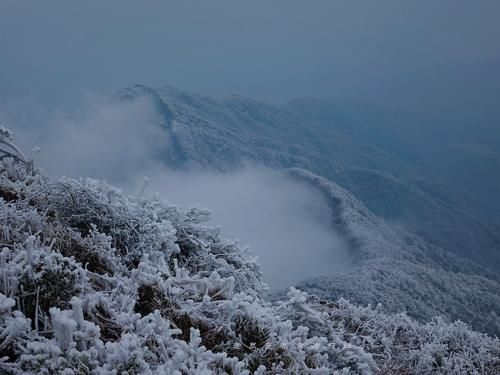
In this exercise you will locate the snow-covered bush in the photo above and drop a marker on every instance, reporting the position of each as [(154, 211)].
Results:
[(400, 345), (93, 281)]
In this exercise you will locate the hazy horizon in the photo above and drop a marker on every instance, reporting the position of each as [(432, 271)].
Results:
[(55, 51)]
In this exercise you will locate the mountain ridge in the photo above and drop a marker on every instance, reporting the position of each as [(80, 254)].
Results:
[(438, 246), (209, 133)]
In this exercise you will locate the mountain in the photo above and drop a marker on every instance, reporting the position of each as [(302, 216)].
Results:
[(452, 133), (400, 270), (94, 281), (223, 133), (419, 248)]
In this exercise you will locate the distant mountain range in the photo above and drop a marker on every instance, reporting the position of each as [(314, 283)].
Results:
[(458, 144), (416, 246)]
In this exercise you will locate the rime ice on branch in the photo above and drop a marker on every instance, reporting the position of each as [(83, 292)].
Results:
[(97, 282)]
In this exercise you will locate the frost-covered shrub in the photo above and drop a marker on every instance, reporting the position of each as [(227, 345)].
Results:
[(401, 345), (93, 281)]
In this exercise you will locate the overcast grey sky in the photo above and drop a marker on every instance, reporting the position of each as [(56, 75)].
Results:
[(270, 50)]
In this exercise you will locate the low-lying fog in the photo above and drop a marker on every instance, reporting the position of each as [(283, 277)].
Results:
[(285, 223)]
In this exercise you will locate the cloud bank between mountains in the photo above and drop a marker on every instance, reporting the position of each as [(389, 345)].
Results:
[(285, 223)]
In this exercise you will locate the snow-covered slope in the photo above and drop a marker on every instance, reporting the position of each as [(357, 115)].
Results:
[(400, 270), (222, 133), (415, 248), (93, 281)]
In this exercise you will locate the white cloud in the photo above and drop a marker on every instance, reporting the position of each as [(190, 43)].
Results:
[(285, 223), (111, 141)]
